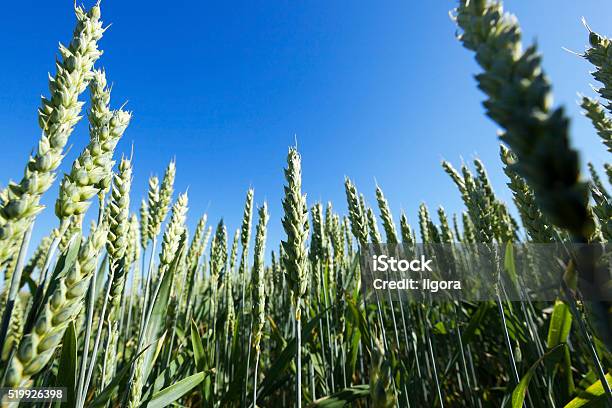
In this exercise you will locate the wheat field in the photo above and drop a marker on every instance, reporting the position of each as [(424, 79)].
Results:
[(133, 309)]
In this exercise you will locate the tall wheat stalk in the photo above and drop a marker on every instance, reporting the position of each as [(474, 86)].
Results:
[(295, 223)]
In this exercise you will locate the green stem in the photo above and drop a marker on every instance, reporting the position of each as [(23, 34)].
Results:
[(298, 357), (94, 353)]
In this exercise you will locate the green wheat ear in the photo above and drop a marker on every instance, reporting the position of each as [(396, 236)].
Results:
[(173, 233), (386, 216), (62, 306), (337, 241), (533, 220), (294, 259), (373, 227), (356, 215), (118, 212), (160, 198), (195, 249), (165, 194), (599, 53), (218, 253), (144, 224), (257, 281), (117, 217), (233, 257), (446, 233), (91, 172), (603, 204), (600, 120), (406, 230), (519, 100), (245, 229), (132, 253), (57, 117), (295, 223), (424, 222), (317, 241)]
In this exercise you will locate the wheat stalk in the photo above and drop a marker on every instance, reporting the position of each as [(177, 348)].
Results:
[(62, 306), (258, 290), (295, 224)]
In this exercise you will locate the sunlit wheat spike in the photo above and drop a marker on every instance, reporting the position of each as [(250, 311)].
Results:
[(407, 234), (258, 290), (233, 257), (501, 221), (483, 182), (228, 289), (57, 117), (295, 223), (144, 224), (532, 218), (159, 203), (424, 221), (118, 212), (317, 240), (479, 206), (599, 118), (257, 280), (329, 219), (375, 236), (446, 233), (245, 238), (133, 246), (173, 233), (356, 215), (117, 218), (469, 235), (152, 200), (537, 134), (218, 253), (91, 172), (456, 177), (195, 249), (386, 216), (61, 307), (599, 53), (245, 230), (337, 240)]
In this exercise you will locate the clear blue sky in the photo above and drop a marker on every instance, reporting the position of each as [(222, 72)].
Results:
[(373, 90)]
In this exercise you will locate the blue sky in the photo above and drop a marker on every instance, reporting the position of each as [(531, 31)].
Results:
[(378, 91)]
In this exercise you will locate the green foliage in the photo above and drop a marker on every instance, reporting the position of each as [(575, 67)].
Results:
[(203, 328)]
